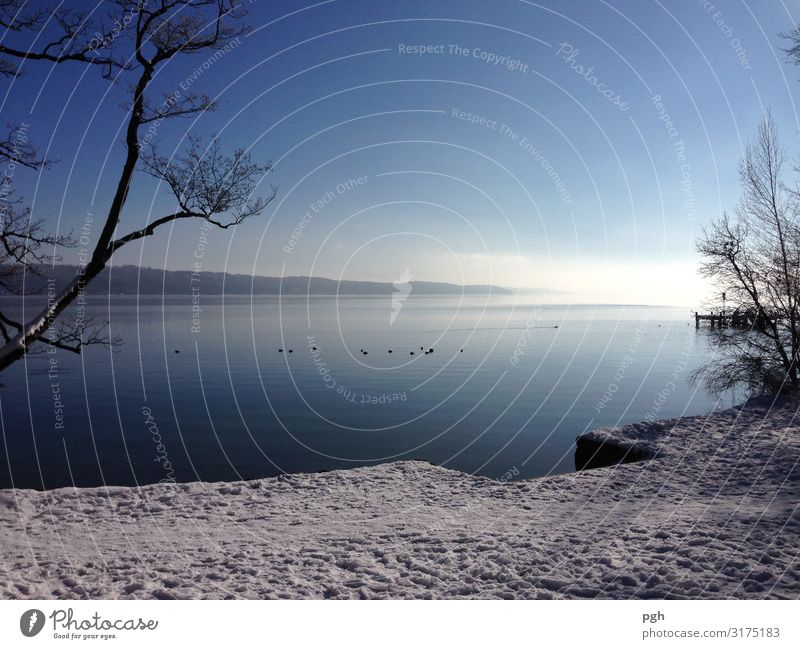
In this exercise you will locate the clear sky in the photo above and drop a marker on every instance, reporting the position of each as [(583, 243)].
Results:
[(523, 144)]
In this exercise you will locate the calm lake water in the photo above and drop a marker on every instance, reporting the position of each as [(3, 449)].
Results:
[(229, 406)]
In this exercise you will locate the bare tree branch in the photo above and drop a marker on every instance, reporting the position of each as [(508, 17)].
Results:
[(66, 35), (16, 149), (183, 106), (69, 336), (206, 183), (24, 246)]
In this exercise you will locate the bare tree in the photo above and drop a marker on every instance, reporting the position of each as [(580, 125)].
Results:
[(205, 183), (753, 259), (71, 35)]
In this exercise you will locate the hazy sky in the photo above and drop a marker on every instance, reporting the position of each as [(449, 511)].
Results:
[(523, 144)]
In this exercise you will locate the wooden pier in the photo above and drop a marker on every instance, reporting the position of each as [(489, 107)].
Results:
[(744, 319)]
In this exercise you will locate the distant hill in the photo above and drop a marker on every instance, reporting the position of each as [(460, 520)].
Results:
[(132, 280)]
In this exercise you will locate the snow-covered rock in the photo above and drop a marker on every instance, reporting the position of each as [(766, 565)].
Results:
[(608, 446)]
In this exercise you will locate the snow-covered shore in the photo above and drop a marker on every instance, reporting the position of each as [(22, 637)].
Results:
[(715, 514)]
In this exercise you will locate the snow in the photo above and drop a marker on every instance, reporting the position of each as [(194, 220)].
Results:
[(713, 515)]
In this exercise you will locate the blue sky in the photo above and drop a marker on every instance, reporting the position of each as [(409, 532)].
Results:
[(570, 181)]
